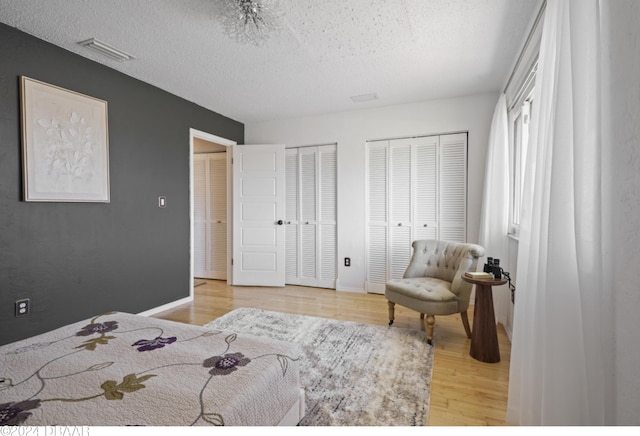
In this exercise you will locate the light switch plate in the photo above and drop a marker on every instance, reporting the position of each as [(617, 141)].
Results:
[(162, 201)]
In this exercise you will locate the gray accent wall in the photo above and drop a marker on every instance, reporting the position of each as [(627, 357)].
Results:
[(77, 260)]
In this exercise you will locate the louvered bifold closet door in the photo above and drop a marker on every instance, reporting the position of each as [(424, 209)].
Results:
[(417, 189), (199, 215), (217, 252), (377, 215), (426, 188), (327, 200), (401, 206), (308, 222), (210, 215), (311, 216), (453, 187), (292, 274)]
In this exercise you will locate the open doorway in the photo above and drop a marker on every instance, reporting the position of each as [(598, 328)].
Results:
[(210, 207)]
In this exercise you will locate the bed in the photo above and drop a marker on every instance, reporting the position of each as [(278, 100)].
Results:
[(119, 369)]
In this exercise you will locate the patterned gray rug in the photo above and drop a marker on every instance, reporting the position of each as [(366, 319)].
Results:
[(353, 374)]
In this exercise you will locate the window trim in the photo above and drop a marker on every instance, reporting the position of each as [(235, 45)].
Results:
[(519, 116)]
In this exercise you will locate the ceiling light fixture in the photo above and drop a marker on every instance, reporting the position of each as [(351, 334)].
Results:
[(106, 50), (249, 21)]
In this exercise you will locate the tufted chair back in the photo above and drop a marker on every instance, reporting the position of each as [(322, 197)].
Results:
[(445, 261)]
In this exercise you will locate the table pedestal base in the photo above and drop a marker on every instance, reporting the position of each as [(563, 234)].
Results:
[(484, 337)]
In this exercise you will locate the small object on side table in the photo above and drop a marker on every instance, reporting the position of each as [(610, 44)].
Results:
[(484, 336)]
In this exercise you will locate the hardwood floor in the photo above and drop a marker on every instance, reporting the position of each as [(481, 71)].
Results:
[(464, 391)]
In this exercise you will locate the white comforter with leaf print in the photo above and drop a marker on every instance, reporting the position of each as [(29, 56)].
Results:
[(121, 369)]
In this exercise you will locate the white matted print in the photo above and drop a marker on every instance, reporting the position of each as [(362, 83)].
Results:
[(65, 147)]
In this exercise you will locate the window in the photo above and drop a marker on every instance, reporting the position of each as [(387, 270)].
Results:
[(520, 121)]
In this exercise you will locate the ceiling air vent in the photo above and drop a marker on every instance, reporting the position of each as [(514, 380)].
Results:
[(364, 97), (106, 50)]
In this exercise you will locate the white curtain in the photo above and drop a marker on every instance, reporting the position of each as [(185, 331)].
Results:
[(494, 220), (559, 360)]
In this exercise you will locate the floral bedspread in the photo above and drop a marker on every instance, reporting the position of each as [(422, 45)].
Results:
[(122, 369)]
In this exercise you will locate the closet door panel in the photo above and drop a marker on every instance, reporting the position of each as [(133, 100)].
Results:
[(200, 216), (327, 201), (416, 189), (377, 212), (328, 261), (292, 271), (377, 181), (453, 187), (426, 188), (377, 259), (400, 183), (217, 174), (308, 255), (210, 215), (401, 239), (308, 187), (311, 216)]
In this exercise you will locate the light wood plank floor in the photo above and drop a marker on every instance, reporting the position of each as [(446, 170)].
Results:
[(464, 391)]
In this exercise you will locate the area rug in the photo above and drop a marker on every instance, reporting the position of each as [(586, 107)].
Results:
[(352, 373)]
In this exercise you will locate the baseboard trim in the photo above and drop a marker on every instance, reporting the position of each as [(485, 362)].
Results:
[(167, 306), (341, 288)]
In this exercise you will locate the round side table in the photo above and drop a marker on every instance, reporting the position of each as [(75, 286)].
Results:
[(484, 336)]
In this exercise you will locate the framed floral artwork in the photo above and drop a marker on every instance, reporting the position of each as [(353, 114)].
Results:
[(65, 146)]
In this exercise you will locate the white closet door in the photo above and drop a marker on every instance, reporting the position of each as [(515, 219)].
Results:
[(308, 221), (210, 220), (401, 178), (377, 212), (417, 189), (311, 216), (292, 274), (426, 188), (217, 262), (453, 187), (327, 200), (200, 215)]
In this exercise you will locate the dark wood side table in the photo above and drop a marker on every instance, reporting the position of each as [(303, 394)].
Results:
[(484, 336)]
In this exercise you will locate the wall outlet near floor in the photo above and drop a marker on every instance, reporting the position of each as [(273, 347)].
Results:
[(23, 307), (347, 261)]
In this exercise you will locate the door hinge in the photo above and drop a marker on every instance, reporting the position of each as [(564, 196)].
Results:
[(231, 262)]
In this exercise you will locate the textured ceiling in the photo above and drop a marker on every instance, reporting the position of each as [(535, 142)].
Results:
[(325, 52)]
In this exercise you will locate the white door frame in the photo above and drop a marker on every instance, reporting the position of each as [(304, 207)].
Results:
[(193, 134)]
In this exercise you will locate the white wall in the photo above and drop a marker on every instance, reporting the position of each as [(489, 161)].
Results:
[(350, 130), (621, 115)]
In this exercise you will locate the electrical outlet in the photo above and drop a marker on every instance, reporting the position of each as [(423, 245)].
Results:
[(22, 307), (347, 261)]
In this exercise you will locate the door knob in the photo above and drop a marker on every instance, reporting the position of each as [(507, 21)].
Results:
[(280, 222)]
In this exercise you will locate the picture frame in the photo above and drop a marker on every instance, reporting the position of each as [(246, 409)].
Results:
[(65, 145)]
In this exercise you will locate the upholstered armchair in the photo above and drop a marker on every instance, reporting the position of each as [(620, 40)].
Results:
[(432, 283)]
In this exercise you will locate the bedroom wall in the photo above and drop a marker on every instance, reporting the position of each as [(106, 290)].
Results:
[(350, 130), (621, 115), (75, 260)]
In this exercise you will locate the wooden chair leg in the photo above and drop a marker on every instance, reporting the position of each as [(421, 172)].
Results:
[(431, 320), (465, 323), (422, 325), (392, 307)]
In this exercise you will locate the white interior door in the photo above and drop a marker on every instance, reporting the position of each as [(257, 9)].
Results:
[(259, 214)]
